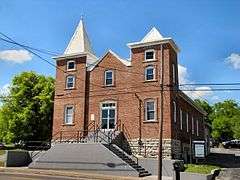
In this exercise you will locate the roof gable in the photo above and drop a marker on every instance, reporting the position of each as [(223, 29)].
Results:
[(123, 61)]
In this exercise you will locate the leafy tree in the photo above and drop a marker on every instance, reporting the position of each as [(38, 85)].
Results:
[(26, 114), (226, 120), (206, 107)]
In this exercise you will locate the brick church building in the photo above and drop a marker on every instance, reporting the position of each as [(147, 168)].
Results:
[(112, 91)]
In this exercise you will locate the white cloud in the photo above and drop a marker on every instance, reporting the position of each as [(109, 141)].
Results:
[(199, 92), (4, 90), (16, 56), (234, 60), (183, 74)]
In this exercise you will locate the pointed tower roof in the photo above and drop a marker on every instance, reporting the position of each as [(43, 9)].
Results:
[(153, 37), (79, 42)]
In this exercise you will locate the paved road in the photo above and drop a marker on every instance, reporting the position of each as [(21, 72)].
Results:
[(5, 176), (229, 174), (228, 159)]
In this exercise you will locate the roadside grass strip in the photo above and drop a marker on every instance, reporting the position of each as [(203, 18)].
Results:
[(200, 168)]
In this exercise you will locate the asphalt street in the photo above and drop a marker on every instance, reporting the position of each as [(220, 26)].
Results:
[(6, 176)]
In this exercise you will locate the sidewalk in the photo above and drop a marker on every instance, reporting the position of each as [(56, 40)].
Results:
[(72, 174)]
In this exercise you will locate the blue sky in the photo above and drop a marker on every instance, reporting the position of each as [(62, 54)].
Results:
[(207, 33)]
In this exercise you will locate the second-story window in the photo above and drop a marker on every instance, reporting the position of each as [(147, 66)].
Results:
[(109, 78), (149, 73), (192, 125), (70, 82), (173, 74), (181, 119), (174, 111), (197, 128), (150, 110), (71, 65), (149, 55)]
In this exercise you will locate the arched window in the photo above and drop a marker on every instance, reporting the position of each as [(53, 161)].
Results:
[(173, 74), (108, 115), (71, 65), (174, 111), (149, 73), (70, 82)]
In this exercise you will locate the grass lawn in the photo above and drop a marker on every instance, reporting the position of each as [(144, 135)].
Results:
[(2, 152), (200, 168)]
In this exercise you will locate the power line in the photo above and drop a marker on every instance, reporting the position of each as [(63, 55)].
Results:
[(32, 48), (210, 84), (11, 41), (40, 57)]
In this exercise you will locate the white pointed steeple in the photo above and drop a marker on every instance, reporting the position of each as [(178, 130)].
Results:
[(153, 35), (79, 42)]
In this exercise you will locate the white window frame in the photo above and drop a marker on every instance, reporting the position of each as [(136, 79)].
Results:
[(65, 114), (113, 107), (68, 82), (68, 65), (173, 74), (145, 55), (192, 125), (187, 122), (197, 128), (145, 108), (174, 111), (105, 77), (181, 120), (150, 67)]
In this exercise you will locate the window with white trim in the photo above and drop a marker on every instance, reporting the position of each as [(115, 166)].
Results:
[(173, 73), (149, 55), (70, 82), (181, 120), (150, 110), (174, 111), (197, 128), (68, 119), (149, 73), (71, 65), (109, 78), (187, 121), (192, 125)]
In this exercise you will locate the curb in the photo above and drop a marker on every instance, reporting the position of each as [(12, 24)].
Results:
[(65, 173)]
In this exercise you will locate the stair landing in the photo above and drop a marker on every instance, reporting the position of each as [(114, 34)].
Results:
[(93, 157)]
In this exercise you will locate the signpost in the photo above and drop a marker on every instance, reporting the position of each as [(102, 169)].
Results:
[(199, 150)]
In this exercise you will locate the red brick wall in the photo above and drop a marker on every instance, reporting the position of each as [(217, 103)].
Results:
[(65, 97), (128, 82)]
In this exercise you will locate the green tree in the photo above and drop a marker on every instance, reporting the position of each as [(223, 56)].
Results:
[(26, 114), (206, 107), (226, 120)]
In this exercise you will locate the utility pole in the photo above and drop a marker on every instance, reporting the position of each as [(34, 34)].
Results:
[(161, 119), (139, 121)]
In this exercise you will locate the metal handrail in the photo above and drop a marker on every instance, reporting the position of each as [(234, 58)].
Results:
[(128, 137)]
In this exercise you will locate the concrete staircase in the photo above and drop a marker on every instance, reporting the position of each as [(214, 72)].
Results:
[(99, 151), (128, 159)]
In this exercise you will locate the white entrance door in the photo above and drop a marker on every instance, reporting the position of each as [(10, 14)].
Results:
[(108, 117)]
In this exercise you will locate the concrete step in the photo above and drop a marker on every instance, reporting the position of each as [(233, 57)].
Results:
[(93, 157)]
